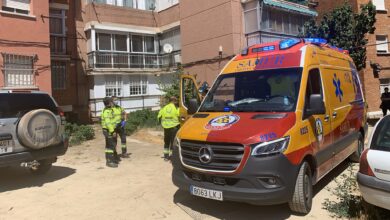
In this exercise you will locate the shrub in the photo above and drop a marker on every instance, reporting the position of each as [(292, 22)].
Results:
[(141, 119), (78, 133)]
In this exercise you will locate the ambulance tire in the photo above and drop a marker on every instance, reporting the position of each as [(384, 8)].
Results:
[(355, 157), (302, 199)]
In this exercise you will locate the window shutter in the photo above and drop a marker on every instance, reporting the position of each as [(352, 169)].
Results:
[(380, 4), (18, 4)]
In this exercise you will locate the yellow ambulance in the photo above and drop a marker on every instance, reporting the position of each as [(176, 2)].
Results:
[(278, 118)]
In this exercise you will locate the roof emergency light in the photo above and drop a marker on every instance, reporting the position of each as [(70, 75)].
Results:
[(285, 44), (315, 40)]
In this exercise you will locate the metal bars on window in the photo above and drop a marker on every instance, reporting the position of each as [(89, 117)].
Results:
[(138, 85), (58, 75), (18, 70)]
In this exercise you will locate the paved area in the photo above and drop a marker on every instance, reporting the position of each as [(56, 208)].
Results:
[(80, 187)]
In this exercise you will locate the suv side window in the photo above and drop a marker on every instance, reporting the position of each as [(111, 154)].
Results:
[(14, 104), (314, 86)]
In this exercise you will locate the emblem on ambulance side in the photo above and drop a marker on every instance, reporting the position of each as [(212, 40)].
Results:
[(222, 122), (319, 130)]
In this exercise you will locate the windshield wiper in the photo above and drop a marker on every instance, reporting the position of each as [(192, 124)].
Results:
[(245, 101)]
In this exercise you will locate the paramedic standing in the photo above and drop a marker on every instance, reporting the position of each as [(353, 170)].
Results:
[(120, 119), (385, 105), (108, 126), (168, 116)]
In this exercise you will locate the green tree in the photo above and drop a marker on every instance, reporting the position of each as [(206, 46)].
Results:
[(345, 29), (172, 88)]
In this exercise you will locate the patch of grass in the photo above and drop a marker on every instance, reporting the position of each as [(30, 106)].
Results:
[(350, 203)]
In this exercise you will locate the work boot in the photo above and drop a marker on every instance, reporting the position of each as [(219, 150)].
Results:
[(111, 164), (166, 157), (117, 159)]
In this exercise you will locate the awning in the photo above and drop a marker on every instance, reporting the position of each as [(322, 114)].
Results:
[(291, 6)]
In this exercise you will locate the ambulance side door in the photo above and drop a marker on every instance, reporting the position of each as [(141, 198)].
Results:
[(341, 93), (188, 90), (320, 125)]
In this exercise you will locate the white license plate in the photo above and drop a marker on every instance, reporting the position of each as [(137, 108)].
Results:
[(6, 146), (206, 193)]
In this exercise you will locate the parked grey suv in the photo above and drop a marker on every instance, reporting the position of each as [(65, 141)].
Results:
[(31, 130)]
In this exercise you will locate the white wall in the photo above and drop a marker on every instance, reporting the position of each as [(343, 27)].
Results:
[(130, 103), (164, 4)]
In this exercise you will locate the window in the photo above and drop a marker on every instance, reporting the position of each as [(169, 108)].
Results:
[(120, 42), (57, 31), (171, 37), (138, 85), (382, 44), (314, 86), (251, 11), (150, 4), (149, 44), (18, 70), (114, 86), (14, 103), (58, 75), (379, 4), (104, 42), (16, 6), (189, 91), (137, 43)]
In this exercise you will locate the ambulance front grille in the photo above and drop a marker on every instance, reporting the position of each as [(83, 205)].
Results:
[(224, 157)]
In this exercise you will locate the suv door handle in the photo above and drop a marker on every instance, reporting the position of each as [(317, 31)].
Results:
[(334, 115)]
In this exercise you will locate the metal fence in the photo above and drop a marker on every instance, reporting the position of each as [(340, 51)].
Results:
[(18, 70), (98, 59), (130, 103)]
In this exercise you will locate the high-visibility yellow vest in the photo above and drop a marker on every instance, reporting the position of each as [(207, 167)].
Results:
[(118, 113), (169, 115), (108, 120)]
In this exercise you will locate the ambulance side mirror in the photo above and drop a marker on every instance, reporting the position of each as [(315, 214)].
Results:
[(317, 105), (192, 106)]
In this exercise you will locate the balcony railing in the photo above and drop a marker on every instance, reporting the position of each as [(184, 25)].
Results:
[(57, 45), (113, 60)]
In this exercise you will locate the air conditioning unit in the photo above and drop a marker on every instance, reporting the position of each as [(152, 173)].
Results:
[(177, 58)]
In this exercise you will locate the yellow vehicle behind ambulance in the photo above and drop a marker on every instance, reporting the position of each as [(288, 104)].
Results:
[(278, 118)]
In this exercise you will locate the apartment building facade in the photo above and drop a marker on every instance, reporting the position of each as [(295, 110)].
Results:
[(378, 52), (129, 50), (214, 31), (25, 45)]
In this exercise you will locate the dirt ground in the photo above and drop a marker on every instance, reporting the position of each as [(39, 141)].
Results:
[(79, 186)]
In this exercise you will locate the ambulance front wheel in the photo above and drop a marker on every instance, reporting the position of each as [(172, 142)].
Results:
[(301, 201)]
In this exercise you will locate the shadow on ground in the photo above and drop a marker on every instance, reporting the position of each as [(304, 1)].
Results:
[(199, 208), (14, 178)]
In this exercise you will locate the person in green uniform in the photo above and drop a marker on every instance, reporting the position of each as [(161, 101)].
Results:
[(168, 116), (120, 118), (108, 125)]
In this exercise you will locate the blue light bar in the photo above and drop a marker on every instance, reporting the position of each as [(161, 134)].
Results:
[(285, 44), (263, 49), (315, 40)]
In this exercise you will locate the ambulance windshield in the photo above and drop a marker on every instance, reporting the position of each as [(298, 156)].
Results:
[(256, 91)]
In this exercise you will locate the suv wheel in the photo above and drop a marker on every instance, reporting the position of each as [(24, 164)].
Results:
[(43, 167), (303, 194)]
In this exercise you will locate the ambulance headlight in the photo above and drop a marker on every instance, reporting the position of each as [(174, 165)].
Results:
[(271, 147)]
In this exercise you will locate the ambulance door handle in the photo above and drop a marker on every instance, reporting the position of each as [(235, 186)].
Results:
[(326, 118), (334, 115)]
